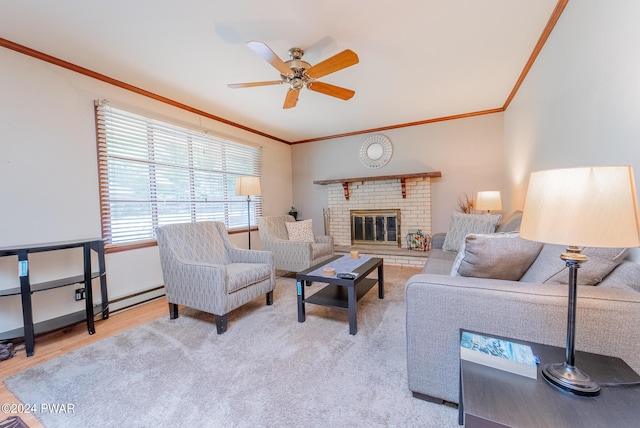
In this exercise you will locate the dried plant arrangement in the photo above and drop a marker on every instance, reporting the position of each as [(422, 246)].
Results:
[(465, 205)]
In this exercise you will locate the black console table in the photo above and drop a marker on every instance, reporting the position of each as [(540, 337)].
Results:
[(26, 289), (493, 398)]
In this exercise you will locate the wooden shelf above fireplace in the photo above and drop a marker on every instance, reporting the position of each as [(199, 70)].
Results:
[(402, 177)]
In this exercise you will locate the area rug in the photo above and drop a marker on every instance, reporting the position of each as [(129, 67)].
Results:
[(267, 370)]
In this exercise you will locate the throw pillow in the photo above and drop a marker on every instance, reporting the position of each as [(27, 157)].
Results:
[(496, 256), (626, 275), (549, 268), (300, 230), (464, 224)]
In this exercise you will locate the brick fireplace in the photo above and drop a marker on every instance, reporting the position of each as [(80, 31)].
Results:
[(409, 196)]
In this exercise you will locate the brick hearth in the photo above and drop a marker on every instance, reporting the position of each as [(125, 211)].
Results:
[(391, 256)]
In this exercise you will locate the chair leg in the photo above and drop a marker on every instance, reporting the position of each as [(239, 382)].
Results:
[(221, 322), (173, 311), (270, 298), (308, 283)]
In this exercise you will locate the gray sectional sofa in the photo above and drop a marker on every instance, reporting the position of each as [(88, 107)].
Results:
[(533, 308)]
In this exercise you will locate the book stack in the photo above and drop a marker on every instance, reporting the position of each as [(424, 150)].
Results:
[(498, 353)]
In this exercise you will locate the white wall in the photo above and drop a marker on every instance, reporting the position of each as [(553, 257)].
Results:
[(49, 178), (580, 104), (469, 152)]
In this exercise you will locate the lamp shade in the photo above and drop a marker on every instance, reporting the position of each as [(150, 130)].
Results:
[(583, 207), (248, 185), (489, 200)]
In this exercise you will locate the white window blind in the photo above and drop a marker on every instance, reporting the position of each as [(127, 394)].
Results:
[(154, 173)]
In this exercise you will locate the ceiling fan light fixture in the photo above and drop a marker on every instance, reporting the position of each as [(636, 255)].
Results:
[(297, 83)]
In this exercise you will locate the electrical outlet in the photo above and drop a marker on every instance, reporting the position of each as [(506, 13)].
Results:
[(80, 294)]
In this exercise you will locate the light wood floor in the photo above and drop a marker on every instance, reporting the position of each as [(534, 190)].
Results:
[(54, 344), (60, 342)]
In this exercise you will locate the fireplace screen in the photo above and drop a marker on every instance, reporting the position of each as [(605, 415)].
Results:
[(376, 227)]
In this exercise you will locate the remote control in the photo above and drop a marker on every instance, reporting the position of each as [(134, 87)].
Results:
[(347, 275)]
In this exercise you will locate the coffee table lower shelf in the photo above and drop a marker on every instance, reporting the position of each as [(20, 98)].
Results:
[(336, 296)]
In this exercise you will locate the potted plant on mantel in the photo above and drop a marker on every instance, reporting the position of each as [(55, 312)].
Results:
[(293, 212)]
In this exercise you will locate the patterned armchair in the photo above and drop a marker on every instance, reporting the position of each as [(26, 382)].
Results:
[(293, 256), (202, 269)]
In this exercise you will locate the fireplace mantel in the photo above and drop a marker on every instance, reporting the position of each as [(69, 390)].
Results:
[(402, 177)]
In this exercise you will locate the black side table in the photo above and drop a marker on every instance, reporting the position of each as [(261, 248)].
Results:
[(495, 398)]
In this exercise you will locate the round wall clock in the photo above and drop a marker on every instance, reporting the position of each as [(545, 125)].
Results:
[(376, 151)]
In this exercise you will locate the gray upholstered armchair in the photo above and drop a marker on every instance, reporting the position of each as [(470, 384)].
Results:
[(202, 269), (293, 256)]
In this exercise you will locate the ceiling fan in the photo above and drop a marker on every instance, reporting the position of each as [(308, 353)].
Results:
[(298, 73)]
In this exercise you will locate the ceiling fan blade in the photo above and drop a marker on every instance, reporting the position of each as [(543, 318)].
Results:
[(268, 55), (292, 98), (332, 90), (337, 62), (252, 84)]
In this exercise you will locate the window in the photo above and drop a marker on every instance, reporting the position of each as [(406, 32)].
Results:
[(154, 173)]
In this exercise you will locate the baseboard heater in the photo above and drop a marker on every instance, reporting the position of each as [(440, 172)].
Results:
[(135, 299), (115, 305)]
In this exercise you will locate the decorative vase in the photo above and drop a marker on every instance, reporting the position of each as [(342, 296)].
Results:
[(416, 240)]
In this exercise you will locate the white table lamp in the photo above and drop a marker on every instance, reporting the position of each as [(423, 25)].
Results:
[(488, 201)]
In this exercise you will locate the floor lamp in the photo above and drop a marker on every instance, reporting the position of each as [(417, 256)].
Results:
[(580, 207), (247, 186)]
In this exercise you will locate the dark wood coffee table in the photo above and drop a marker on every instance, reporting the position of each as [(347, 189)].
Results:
[(340, 293), (493, 398)]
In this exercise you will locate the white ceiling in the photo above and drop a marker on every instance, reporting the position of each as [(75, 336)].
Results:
[(419, 59)]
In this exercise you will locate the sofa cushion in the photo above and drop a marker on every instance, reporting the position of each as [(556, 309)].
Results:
[(626, 275), (300, 230), (549, 268), (464, 224), (242, 275), (511, 223), (439, 262), (496, 255)]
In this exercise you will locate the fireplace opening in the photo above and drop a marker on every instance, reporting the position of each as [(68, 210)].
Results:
[(376, 227)]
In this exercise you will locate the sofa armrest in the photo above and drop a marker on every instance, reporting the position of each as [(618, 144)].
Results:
[(438, 306), (238, 255), (437, 240), (324, 239)]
